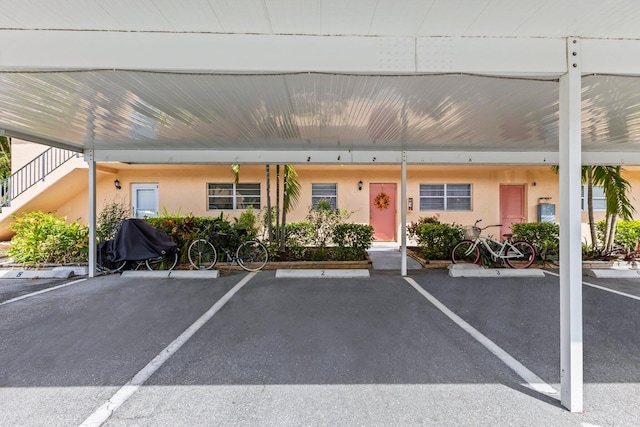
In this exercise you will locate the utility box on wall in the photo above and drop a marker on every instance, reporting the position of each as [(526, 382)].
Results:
[(546, 212)]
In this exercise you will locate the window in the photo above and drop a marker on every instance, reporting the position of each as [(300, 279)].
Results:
[(445, 197), (599, 200), (327, 192), (233, 196)]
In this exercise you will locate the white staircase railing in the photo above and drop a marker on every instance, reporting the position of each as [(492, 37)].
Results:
[(33, 172)]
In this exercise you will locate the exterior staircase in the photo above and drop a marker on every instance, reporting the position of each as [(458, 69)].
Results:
[(32, 173), (45, 183)]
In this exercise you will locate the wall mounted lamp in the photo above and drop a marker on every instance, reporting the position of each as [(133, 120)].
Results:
[(360, 185), (116, 183)]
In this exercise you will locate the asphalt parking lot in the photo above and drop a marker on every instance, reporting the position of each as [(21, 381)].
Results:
[(247, 349)]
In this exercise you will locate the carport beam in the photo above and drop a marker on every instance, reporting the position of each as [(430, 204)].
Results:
[(571, 340)]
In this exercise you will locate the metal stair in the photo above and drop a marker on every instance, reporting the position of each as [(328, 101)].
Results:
[(33, 172)]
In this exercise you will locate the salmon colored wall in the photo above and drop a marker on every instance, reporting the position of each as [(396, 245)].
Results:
[(183, 188), (22, 152)]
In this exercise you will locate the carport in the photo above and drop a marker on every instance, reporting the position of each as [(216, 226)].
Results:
[(344, 82)]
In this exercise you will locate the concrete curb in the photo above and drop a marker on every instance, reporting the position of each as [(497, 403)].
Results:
[(196, 274), (77, 271), (610, 273), (174, 274), (473, 270), (155, 274), (329, 274), (36, 274)]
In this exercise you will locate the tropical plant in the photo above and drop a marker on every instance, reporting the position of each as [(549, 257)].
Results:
[(247, 221), (324, 220), (618, 204), (352, 241), (110, 217), (544, 236), (434, 238), (45, 238), (276, 221), (5, 157)]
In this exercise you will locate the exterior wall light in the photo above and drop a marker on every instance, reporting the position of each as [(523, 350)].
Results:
[(360, 185), (116, 183)]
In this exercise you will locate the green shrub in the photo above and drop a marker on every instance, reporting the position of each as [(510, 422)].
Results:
[(435, 238), (627, 234), (414, 225), (45, 238), (324, 221), (352, 241), (185, 229), (299, 237), (544, 236), (109, 219), (247, 221)]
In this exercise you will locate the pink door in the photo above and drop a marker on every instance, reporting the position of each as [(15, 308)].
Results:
[(511, 206), (382, 211)]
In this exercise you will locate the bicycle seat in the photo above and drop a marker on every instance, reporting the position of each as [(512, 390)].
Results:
[(507, 235)]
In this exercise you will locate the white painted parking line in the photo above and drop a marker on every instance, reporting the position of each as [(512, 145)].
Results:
[(103, 413), (64, 285), (603, 288), (532, 379)]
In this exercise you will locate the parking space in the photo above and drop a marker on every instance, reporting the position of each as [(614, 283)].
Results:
[(268, 351), (11, 289)]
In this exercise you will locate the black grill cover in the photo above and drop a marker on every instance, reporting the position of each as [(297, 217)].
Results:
[(138, 240)]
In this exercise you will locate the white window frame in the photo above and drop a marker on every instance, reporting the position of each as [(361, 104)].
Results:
[(332, 198), (148, 186), (234, 196), (446, 197), (596, 198)]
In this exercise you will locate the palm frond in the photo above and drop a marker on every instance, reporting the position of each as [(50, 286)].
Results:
[(293, 189), (616, 190), (236, 173)]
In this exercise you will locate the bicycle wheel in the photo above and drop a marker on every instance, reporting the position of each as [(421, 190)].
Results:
[(252, 255), (106, 266), (165, 262), (202, 255), (520, 255), (465, 252)]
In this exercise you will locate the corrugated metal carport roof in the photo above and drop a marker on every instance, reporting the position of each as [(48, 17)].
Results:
[(325, 76)]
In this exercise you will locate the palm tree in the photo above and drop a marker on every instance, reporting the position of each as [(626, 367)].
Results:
[(5, 157), (290, 197), (618, 204), (616, 190)]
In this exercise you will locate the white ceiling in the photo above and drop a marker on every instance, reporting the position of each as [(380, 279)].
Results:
[(411, 18), (313, 76)]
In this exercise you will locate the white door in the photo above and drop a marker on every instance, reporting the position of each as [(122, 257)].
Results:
[(144, 200)]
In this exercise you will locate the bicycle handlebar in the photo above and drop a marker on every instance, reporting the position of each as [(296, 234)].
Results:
[(482, 228)]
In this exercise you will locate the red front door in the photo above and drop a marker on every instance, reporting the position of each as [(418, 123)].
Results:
[(382, 211), (511, 206)]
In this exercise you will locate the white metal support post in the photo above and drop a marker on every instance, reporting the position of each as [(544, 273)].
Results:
[(403, 215), (92, 212), (571, 347)]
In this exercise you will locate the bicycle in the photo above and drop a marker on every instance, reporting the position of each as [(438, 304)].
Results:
[(163, 262), (136, 243), (251, 255), (519, 254)]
